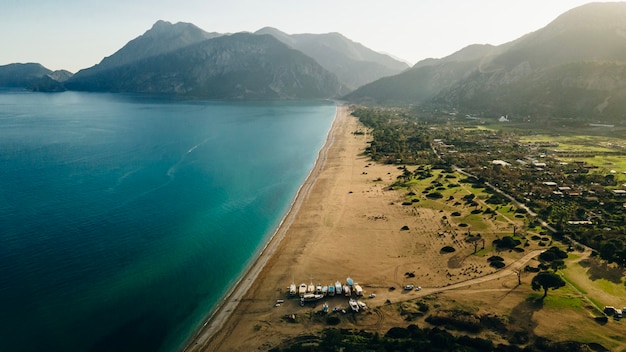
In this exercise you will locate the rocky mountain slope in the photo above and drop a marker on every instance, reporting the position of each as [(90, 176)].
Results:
[(572, 68), (25, 75), (353, 63), (238, 66)]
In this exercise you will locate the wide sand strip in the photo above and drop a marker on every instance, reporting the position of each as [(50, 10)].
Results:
[(225, 317)]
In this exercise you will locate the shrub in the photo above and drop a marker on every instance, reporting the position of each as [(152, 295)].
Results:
[(507, 242), (497, 265), (397, 333), (435, 195), (447, 249), (333, 320)]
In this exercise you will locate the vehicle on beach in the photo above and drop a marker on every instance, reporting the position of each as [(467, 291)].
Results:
[(409, 287), (372, 295)]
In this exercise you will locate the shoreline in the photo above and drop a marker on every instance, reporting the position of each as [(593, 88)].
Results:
[(224, 310)]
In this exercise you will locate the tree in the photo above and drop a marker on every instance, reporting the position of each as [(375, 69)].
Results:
[(547, 280)]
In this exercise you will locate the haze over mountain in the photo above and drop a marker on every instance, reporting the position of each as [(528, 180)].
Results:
[(32, 76), (181, 59), (162, 38), (353, 63), (573, 67)]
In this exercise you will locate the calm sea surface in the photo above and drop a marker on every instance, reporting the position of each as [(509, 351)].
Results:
[(124, 219)]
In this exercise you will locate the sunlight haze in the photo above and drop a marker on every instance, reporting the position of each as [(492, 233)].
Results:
[(73, 34)]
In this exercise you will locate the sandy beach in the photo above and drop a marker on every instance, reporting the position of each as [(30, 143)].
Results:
[(345, 222)]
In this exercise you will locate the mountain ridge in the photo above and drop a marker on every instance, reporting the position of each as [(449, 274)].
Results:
[(353, 63), (531, 70), (237, 66)]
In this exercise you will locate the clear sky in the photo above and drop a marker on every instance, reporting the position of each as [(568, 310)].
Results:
[(76, 34)]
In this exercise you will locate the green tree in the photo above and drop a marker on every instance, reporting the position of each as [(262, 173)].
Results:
[(546, 280)]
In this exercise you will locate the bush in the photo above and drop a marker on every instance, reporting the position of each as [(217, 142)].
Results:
[(434, 195), (497, 265), (447, 249), (495, 258), (456, 213), (507, 242), (333, 320), (397, 333)]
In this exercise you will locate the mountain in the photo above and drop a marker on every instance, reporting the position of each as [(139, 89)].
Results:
[(164, 37), (573, 67), (238, 66), (353, 63), (31, 75), (424, 80)]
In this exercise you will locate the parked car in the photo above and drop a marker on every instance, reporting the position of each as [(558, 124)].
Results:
[(409, 287)]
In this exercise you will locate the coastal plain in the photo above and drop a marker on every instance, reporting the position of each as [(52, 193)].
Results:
[(348, 221), (345, 222)]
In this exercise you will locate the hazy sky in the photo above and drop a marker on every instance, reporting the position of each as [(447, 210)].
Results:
[(76, 34)]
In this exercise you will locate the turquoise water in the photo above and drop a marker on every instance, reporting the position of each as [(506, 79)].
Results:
[(124, 219)]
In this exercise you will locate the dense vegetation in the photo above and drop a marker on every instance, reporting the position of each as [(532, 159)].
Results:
[(576, 198), (413, 338)]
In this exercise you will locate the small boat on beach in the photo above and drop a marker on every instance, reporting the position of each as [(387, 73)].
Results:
[(331, 290), (324, 290), (310, 297), (349, 281), (338, 287), (292, 289), (358, 290), (311, 288), (346, 291), (354, 305), (302, 289), (318, 289)]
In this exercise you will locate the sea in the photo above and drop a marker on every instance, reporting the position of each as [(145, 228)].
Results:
[(125, 219)]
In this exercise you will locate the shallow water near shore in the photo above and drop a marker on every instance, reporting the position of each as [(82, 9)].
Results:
[(124, 219)]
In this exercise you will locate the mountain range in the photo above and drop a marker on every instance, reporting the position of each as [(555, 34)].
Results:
[(182, 59), (575, 67)]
